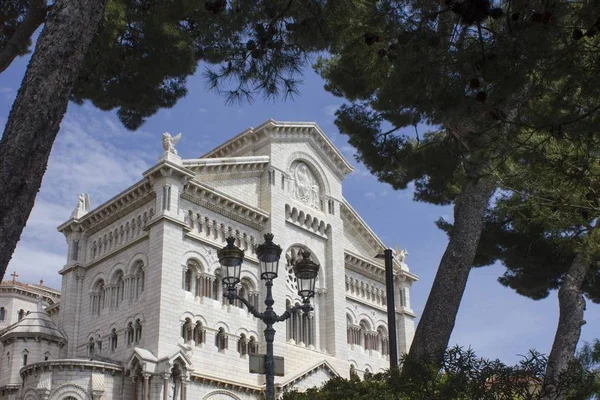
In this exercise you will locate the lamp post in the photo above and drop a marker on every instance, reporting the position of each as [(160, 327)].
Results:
[(268, 253), (388, 255)]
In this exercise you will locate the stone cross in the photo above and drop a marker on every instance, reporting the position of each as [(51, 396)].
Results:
[(14, 275)]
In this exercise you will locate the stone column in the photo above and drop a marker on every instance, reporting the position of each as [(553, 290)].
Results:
[(184, 384), (166, 376), (146, 376), (134, 380)]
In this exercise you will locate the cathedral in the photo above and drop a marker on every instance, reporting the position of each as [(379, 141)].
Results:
[(141, 313)]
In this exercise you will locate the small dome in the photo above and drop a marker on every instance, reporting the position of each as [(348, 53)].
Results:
[(34, 324)]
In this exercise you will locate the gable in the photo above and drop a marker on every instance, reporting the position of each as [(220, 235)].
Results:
[(276, 130)]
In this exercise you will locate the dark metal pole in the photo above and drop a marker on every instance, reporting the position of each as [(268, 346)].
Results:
[(269, 317), (391, 307)]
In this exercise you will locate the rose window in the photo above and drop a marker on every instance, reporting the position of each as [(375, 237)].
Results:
[(291, 256)]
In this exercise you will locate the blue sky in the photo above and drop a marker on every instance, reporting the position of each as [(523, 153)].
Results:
[(95, 154)]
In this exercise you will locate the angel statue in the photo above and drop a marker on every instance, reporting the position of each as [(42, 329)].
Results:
[(169, 142), (83, 206), (401, 254)]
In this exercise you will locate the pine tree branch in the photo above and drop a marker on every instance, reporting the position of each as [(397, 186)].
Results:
[(20, 39)]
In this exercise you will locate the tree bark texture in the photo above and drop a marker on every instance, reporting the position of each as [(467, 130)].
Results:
[(19, 40), (439, 316), (572, 307), (38, 110)]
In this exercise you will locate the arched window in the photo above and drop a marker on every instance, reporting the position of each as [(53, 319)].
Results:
[(138, 280), (252, 346), (383, 341), (8, 359), (187, 330), (221, 340), (118, 293), (113, 339), (246, 290), (364, 338), (288, 323), (97, 297), (47, 356), (25, 353), (138, 330), (129, 333), (21, 314), (187, 280), (199, 333), (301, 327), (91, 347), (353, 332), (215, 288), (2, 313), (353, 374), (243, 345)]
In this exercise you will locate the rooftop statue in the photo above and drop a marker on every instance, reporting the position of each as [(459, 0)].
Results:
[(83, 206), (169, 142)]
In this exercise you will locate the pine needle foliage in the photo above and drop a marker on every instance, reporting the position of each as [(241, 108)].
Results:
[(464, 376), (145, 50)]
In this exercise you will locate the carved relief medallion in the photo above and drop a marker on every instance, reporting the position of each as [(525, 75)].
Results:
[(306, 189)]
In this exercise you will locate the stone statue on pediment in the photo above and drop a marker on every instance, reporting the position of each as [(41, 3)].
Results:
[(83, 206), (169, 142), (401, 255)]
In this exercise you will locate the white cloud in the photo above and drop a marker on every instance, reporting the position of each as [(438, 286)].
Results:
[(93, 153), (370, 195), (33, 264), (330, 110), (8, 93)]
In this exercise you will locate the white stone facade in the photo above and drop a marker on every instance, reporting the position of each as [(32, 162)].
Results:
[(142, 306)]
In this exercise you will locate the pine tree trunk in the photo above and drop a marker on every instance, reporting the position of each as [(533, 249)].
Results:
[(572, 307), (437, 322), (37, 112)]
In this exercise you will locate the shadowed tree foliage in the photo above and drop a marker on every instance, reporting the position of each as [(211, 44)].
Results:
[(543, 228), (143, 51), (480, 73), (136, 58), (464, 376)]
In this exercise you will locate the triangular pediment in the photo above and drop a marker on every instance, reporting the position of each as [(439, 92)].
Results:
[(243, 143), (299, 379)]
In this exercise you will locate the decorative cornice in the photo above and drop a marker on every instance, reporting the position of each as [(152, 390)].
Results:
[(209, 198), (212, 169), (121, 213), (365, 303), (26, 290), (166, 167), (291, 131), (371, 269), (70, 364), (351, 216), (119, 205), (226, 383), (374, 269)]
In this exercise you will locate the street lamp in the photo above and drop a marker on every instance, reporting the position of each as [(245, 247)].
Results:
[(388, 255), (268, 253)]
